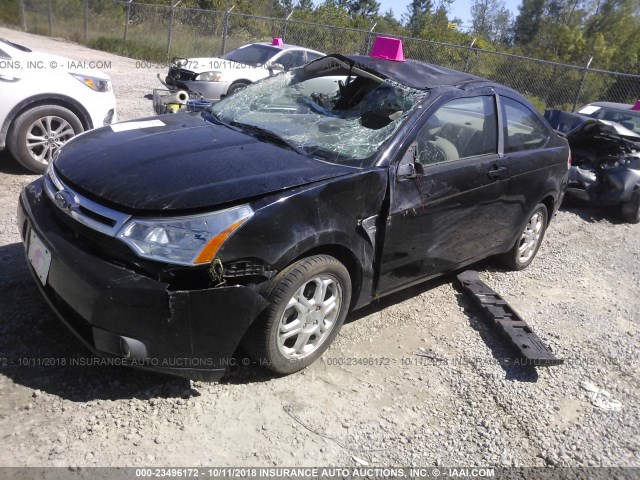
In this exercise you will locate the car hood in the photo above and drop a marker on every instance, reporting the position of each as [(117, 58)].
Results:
[(182, 162)]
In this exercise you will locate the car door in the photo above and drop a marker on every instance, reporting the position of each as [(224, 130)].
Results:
[(449, 212)]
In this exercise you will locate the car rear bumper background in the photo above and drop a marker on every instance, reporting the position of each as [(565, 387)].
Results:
[(184, 332)]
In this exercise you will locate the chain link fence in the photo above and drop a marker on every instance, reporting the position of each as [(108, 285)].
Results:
[(160, 32)]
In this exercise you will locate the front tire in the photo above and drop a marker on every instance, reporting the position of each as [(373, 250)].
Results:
[(631, 210), (309, 301), (526, 248), (38, 133), (235, 87)]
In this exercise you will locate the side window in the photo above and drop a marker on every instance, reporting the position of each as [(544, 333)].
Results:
[(523, 130), (311, 56), (462, 128), (3, 55), (291, 59)]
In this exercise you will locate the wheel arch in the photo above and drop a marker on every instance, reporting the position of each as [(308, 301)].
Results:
[(243, 81), (549, 202), (345, 256), (45, 99)]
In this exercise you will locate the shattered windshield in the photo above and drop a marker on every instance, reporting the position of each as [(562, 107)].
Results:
[(334, 113), (255, 54)]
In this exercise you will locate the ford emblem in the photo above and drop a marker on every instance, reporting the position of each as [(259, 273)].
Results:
[(64, 200)]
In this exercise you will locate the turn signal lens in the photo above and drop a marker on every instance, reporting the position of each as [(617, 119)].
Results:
[(209, 251)]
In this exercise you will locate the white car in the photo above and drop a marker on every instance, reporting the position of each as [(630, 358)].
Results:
[(45, 100), (214, 78)]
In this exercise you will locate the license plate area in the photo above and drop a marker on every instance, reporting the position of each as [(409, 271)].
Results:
[(39, 257)]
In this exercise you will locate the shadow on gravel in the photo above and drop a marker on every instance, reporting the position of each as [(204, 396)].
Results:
[(399, 297), (592, 213), (10, 166), (36, 349), (240, 374)]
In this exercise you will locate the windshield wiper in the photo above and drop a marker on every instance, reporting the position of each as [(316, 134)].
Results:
[(215, 116), (268, 134)]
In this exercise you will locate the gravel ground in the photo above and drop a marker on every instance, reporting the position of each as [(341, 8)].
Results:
[(456, 405)]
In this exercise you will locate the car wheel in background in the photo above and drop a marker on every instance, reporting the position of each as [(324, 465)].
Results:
[(235, 87), (525, 249), (631, 210), (38, 133), (309, 301)]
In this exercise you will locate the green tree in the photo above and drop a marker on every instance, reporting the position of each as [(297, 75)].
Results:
[(491, 19), (528, 21), (417, 16), (305, 5), (364, 8)]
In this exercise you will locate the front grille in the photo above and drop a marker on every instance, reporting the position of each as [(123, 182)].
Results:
[(81, 209), (181, 74), (93, 228)]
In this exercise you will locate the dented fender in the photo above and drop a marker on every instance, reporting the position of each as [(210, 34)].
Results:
[(325, 217)]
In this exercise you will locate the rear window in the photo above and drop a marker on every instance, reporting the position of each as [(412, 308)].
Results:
[(630, 119), (311, 56), (254, 54)]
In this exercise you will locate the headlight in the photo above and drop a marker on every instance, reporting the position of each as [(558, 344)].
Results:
[(94, 83), (192, 240), (209, 77)]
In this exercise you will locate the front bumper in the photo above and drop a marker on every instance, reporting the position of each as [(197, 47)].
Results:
[(131, 317), (102, 109)]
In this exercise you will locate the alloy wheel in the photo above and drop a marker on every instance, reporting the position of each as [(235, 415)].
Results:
[(46, 135), (531, 237), (309, 317)]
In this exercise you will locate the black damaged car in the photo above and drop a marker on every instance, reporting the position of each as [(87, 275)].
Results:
[(169, 242)]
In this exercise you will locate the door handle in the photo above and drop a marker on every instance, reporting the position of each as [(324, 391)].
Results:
[(497, 172)]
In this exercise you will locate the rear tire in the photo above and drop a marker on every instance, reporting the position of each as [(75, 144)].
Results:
[(309, 301), (38, 133), (630, 210), (526, 248)]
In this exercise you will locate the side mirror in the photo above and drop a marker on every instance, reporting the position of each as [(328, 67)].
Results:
[(275, 68), (408, 167), (406, 171)]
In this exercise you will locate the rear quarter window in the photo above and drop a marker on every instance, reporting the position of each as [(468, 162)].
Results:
[(522, 128)]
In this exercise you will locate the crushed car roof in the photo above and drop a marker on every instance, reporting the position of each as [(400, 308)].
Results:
[(414, 73)]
